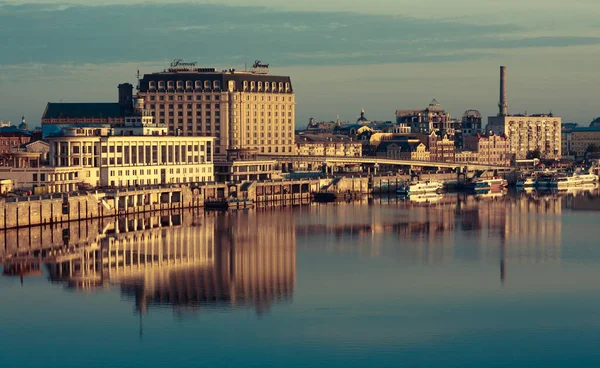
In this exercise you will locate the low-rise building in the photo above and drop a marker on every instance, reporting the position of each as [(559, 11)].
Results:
[(432, 118), (490, 149), (441, 148), (134, 152), (403, 150), (243, 165), (327, 145), (11, 138), (581, 138)]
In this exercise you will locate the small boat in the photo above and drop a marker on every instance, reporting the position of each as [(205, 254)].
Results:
[(420, 187), (482, 185)]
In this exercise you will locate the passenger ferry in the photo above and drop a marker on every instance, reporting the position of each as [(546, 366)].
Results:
[(420, 187)]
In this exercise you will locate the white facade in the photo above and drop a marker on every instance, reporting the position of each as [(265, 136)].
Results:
[(125, 160)]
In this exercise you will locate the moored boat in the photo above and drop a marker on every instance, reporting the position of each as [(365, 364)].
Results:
[(586, 178), (483, 185), (420, 187), (564, 182)]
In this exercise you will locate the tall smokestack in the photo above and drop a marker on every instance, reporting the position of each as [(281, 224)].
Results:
[(503, 105)]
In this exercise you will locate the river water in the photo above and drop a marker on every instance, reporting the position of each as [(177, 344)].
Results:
[(456, 281)]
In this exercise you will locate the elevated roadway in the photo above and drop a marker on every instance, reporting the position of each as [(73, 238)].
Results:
[(337, 160)]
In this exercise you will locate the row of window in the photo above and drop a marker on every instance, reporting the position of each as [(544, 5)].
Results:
[(184, 170), (187, 97), (216, 84), (196, 179)]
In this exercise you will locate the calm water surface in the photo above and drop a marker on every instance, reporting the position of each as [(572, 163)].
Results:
[(504, 281)]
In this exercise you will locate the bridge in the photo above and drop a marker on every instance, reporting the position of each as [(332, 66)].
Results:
[(338, 160)]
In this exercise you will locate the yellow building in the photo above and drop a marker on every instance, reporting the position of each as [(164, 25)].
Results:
[(527, 133), (582, 138), (249, 109), (327, 145)]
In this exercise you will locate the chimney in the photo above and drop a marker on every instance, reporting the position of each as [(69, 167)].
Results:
[(503, 105)]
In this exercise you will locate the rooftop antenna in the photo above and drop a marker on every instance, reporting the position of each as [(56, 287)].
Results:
[(245, 63)]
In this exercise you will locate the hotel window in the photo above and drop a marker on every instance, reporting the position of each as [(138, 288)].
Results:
[(245, 85), (267, 86), (170, 84), (273, 86), (188, 84), (152, 84), (280, 86), (179, 84), (207, 84), (198, 84), (161, 84), (217, 84)]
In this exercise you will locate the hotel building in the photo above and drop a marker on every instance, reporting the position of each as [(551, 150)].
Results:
[(243, 110)]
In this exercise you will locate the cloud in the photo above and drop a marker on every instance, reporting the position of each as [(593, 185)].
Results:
[(214, 34)]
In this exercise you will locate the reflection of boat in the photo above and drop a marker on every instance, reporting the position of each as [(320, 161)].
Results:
[(426, 198), (526, 182), (584, 188), (491, 194), (420, 187)]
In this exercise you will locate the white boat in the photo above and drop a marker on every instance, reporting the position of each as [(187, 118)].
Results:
[(587, 178), (564, 182), (526, 183), (420, 187)]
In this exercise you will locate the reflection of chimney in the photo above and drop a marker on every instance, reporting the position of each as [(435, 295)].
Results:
[(503, 105)]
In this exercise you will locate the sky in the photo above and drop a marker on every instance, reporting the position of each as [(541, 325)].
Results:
[(342, 55)]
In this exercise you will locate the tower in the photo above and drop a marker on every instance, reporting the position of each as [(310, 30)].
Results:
[(23, 125), (503, 105)]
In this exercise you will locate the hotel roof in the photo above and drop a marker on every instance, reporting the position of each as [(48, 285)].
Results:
[(61, 110)]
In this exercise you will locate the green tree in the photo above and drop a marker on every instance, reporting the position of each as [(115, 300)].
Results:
[(593, 148)]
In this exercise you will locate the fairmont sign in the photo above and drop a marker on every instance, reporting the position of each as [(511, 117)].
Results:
[(260, 68), (180, 65)]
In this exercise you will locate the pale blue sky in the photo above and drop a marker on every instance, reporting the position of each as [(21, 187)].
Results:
[(382, 55)]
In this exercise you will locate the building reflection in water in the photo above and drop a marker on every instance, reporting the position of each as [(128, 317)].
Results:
[(509, 228), (213, 260)]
